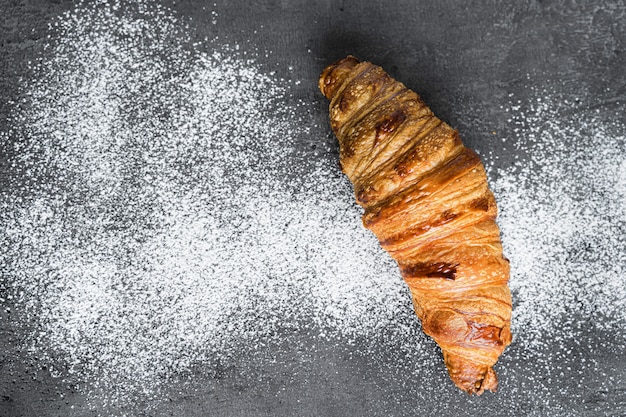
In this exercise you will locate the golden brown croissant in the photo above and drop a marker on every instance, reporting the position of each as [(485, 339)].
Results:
[(427, 200)]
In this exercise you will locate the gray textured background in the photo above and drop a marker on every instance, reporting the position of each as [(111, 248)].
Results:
[(464, 58)]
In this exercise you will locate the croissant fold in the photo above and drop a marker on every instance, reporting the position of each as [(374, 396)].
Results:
[(426, 198)]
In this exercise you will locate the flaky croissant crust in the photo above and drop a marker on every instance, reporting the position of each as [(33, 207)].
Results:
[(427, 200)]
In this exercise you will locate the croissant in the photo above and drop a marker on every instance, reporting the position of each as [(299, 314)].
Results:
[(426, 198)]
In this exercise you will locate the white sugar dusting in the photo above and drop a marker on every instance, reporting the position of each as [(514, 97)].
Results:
[(620, 187), (562, 212), (152, 221)]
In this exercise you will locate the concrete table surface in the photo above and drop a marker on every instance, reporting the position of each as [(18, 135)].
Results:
[(466, 59)]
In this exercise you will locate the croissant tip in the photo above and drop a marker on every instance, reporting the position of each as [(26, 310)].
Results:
[(489, 383), (478, 388), (469, 376), (334, 74), (349, 58)]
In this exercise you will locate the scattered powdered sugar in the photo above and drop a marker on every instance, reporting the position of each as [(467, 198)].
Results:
[(562, 218), (620, 187), (156, 218)]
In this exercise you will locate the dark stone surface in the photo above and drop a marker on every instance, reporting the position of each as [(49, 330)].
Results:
[(465, 58)]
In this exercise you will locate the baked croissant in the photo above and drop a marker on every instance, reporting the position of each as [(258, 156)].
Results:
[(426, 198)]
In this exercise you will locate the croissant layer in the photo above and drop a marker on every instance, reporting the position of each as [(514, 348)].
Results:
[(425, 196)]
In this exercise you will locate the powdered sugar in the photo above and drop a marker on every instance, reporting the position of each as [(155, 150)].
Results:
[(154, 220), (620, 186), (562, 219)]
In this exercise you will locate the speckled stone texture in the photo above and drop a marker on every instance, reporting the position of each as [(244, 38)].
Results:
[(465, 58)]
